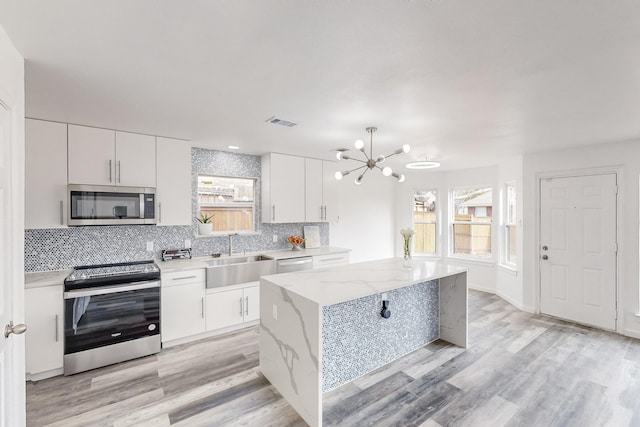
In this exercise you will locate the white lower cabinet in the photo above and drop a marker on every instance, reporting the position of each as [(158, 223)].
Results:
[(44, 341), (182, 304), (233, 307)]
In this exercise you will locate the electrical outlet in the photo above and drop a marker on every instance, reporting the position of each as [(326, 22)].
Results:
[(384, 296), (150, 246), (275, 238), (187, 243), (275, 312)]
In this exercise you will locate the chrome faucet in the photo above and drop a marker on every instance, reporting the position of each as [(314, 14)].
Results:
[(231, 243)]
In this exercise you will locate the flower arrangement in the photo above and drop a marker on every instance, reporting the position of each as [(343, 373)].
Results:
[(296, 241), (407, 233)]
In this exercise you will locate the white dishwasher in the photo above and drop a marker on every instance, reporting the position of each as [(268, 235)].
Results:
[(295, 264)]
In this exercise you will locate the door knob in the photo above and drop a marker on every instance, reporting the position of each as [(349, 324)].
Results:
[(18, 329), (545, 257)]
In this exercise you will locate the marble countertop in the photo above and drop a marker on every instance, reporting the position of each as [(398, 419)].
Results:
[(338, 284), (56, 277), (200, 262), (45, 278)]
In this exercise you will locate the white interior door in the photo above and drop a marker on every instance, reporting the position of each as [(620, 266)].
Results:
[(11, 364), (578, 249)]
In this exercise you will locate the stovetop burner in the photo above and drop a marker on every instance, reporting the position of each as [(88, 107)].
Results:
[(111, 274)]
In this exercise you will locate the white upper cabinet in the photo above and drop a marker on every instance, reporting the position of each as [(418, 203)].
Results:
[(45, 174), (314, 205), (298, 189), (91, 155), (135, 160), (330, 191), (283, 188), (106, 157), (173, 182)]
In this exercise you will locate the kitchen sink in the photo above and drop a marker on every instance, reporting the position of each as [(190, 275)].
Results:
[(238, 269)]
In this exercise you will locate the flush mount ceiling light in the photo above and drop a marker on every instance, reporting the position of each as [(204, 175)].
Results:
[(423, 164), (370, 162)]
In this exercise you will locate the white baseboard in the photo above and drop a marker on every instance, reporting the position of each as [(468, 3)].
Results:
[(481, 288), (631, 333), (44, 375), (514, 303)]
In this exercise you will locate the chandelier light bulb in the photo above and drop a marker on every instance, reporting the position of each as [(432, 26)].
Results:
[(359, 144), (339, 155), (401, 179), (387, 171), (358, 180), (338, 175), (406, 148), (381, 159)]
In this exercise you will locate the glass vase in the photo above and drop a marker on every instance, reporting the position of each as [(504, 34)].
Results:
[(407, 252)]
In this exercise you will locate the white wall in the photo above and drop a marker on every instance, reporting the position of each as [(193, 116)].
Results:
[(366, 217), (12, 94), (624, 155)]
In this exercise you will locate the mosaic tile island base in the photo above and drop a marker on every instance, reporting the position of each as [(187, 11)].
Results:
[(321, 329)]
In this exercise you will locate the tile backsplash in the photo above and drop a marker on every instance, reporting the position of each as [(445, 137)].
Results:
[(60, 248)]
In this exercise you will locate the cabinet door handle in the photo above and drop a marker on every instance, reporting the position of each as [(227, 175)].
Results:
[(119, 172), (61, 212), (273, 215), (57, 328), (184, 278), (241, 307), (246, 306), (159, 212), (330, 259), (202, 306), (110, 177)]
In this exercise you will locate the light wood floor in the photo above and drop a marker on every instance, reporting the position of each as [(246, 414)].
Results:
[(520, 370)]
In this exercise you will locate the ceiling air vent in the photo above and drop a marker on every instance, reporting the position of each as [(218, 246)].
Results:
[(276, 121)]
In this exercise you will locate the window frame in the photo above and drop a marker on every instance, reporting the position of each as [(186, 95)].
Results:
[(508, 224), (252, 205), (436, 223), (452, 223)]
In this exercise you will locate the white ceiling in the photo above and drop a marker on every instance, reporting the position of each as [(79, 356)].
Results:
[(463, 82)]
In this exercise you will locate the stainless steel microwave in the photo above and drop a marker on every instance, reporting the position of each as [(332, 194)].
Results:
[(111, 205)]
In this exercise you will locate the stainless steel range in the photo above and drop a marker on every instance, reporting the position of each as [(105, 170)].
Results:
[(111, 314)]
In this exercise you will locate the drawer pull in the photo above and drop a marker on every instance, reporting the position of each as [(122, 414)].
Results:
[(184, 278), (331, 259)]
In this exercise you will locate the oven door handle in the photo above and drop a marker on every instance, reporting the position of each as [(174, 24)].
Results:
[(136, 286)]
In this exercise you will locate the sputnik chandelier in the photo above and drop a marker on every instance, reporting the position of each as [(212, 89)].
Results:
[(370, 162)]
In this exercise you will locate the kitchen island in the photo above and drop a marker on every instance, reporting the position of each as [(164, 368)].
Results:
[(324, 328)]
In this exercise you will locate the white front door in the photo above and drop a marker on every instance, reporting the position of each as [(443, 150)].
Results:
[(11, 364), (578, 249)]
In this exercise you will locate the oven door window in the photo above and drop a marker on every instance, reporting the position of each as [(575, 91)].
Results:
[(100, 320)]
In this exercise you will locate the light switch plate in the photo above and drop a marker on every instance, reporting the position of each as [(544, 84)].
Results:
[(187, 243), (275, 238), (275, 312), (150, 246)]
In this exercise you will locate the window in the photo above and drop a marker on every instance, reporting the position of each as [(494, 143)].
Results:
[(471, 221), (231, 201), (510, 230), (424, 222)]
